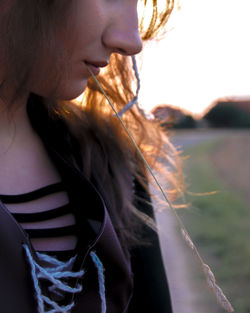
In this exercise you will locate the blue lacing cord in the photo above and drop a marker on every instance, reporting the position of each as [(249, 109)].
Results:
[(61, 270), (35, 280), (129, 105), (53, 275), (101, 279)]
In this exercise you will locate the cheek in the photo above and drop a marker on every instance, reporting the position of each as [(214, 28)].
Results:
[(45, 74), (59, 73), (83, 29)]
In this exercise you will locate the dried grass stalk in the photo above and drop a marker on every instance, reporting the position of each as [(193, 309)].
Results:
[(187, 238), (221, 298)]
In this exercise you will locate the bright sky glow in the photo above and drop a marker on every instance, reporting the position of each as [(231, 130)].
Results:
[(205, 55)]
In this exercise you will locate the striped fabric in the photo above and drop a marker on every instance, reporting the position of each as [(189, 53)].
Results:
[(46, 216)]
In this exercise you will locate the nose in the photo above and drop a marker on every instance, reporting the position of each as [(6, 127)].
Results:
[(122, 34)]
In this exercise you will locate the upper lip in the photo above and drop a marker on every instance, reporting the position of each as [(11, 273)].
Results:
[(97, 63)]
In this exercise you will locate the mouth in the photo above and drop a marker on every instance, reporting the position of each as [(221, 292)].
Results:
[(95, 67)]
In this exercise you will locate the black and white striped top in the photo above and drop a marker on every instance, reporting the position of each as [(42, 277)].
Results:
[(47, 217)]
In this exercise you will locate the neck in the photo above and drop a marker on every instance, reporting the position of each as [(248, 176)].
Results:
[(14, 122), (24, 161)]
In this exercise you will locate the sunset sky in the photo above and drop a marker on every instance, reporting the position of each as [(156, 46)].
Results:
[(205, 55)]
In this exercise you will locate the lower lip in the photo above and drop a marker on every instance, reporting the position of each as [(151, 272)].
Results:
[(95, 70)]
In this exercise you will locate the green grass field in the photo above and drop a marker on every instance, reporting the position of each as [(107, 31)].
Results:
[(219, 223)]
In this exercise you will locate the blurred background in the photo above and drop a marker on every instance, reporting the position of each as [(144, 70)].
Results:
[(196, 81)]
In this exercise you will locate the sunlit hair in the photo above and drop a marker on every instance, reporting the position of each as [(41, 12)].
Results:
[(118, 153), (106, 148)]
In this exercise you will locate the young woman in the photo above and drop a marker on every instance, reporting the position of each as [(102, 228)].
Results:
[(72, 187)]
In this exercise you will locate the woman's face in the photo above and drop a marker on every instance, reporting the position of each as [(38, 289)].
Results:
[(95, 30)]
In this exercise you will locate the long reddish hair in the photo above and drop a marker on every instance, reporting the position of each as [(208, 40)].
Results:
[(105, 146), (119, 157)]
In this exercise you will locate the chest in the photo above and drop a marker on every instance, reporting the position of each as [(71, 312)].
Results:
[(32, 191)]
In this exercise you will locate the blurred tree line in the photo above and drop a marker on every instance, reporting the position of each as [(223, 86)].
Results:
[(223, 114), (229, 114)]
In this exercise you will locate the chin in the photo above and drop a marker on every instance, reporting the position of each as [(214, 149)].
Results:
[(73, 92)]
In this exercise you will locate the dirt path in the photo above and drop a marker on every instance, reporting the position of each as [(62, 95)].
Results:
[(177, 259)]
